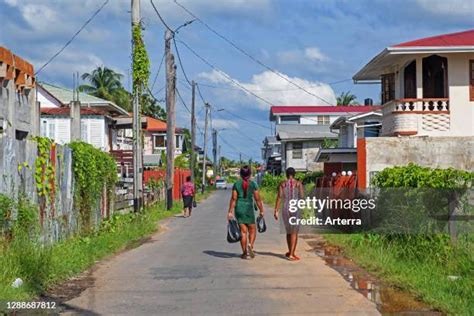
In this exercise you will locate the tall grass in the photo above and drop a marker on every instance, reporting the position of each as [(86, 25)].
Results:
[(40, 266)]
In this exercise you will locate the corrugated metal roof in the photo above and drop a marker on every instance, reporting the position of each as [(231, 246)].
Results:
[(303, 132), (465, 38)]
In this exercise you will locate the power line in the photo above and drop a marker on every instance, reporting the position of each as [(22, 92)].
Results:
[(161, 19), (182, 100), (73, 37), (246, 120), (248, 54), (224, 74), (181, 63), (158, 71)]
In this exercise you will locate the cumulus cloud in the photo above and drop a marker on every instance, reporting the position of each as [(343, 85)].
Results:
[(454, 8), (274, 89), (314, 53)]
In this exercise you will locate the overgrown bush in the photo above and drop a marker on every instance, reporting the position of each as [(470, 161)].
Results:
[(94, 171)]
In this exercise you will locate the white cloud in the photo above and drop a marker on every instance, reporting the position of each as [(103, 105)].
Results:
[(222, 123), (459, 8), (275, 89), (314, 53)]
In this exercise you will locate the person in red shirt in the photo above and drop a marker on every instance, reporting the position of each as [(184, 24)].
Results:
[(188, 191)]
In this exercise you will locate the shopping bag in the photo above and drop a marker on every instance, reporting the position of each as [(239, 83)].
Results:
[(194, 203), (261, 226), (233, 231)]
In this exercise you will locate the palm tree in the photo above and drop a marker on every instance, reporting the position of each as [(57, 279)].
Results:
[(346, 98), (106, 84)]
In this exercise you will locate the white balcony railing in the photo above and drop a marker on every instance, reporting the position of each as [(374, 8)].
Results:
[(416, 117)]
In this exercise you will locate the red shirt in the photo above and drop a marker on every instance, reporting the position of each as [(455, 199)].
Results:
[(188, 189)]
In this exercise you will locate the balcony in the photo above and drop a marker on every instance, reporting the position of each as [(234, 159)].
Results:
[(404, 117)]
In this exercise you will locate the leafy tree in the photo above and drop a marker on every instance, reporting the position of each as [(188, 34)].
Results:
[(346, 98), (151, 107), (105, 83)]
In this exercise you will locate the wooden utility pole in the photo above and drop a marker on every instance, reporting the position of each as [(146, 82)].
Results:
[(203, 184), (214, 150), (193, 131), (75, 109), (137, 139), (170, 118)]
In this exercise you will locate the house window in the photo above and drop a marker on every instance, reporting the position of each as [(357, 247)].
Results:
[(291, 119), (51, 129), (159, 141), (471, 79), (435, 77), (323, 119), (297, 151), (388, 88)]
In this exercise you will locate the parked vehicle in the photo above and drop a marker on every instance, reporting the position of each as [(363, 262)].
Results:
[(221, 184)]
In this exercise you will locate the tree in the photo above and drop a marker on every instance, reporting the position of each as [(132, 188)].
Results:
[(105, 83), (151, 107), (346, 98)]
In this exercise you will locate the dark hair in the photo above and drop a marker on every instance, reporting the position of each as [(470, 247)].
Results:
[(245, 172), (188, 178), (290, 172)]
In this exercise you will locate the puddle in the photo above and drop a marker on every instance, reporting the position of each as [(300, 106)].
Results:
[(388, 299)]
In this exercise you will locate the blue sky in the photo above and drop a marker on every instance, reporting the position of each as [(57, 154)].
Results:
[(315, 43)]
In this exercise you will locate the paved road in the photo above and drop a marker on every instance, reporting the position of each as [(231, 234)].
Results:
[(190, 269)]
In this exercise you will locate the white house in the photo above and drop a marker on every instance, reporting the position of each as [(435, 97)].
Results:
[(427, 85), (96, 116), (427, 89), (303, 130)]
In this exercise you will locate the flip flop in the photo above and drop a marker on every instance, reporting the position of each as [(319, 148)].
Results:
[(287, 254), (294, 258), (244, 256), (251, 252)]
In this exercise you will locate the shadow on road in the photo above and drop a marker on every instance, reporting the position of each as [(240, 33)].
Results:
[(221, 254), (271, 254)]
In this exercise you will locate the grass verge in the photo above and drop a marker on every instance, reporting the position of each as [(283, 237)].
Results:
[(42, 266), (444, 283)]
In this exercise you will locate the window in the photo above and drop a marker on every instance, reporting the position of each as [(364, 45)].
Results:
[(291, 119), (388, 88), (159, 141), (51, 129), (471, 79), (435, 77), (297, 150), (323, 119), (410, 80)]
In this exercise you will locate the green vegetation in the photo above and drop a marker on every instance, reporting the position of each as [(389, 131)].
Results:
[(141, 62), (422, 264), (94, 171), (346, 98), (44, 170), (39, 265)]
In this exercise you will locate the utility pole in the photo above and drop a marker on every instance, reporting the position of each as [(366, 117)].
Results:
[(214, 150), (75, 109), (137, 139), (170, 118), (193, 131), (208, 106), (240, 158)]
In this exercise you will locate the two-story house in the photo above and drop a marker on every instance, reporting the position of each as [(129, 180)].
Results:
[(427, 90), (303, 130)]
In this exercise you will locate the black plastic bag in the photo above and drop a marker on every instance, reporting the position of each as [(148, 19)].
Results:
[(261, 226), (233, 231), (194, 203)]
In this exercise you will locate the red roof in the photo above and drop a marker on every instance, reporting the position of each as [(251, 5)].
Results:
[(465, 38), (67, 111), (323, 109), (156, 125)]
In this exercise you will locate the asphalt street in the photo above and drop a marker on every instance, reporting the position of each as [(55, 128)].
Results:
[(190, 269)]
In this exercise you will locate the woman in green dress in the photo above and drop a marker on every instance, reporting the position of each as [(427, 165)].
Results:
[(244, 192)]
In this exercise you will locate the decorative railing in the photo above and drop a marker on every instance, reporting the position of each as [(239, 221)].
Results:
[(418, 105)]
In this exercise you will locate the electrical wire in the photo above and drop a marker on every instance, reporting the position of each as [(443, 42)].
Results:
[(182, 100), (224, 74), (73, 37), (180, 62), (160, 17), (248, 54), (158, 71)]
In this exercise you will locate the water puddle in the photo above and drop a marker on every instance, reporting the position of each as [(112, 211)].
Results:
[(388, 299)]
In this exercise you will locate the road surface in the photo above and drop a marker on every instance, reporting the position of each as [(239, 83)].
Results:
[(190, 269)]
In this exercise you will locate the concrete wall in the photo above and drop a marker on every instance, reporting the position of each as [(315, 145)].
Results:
[(18, 109), (379, 153), (308, 160)]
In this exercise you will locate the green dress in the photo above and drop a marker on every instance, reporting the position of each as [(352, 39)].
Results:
[(244, 210)]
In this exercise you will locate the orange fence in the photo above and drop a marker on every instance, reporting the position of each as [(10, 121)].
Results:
[(179, 179)]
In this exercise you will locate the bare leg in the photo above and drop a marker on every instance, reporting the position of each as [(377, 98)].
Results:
[(293, 242), (190, 209), (243, 241), (288, 242), (252, 236)]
